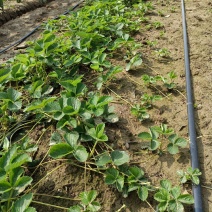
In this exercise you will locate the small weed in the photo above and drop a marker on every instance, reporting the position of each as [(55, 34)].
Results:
[(157, 25), (173, 9)]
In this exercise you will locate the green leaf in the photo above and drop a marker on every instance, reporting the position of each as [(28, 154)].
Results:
[(175, 192), (143, 193), (88, 197), (52, 107), (95, 66), (98, 111), (133, 187), (100, 130), (172, 148), (186, 198), (104, 100), (175, 206), (162, 196), (55, 138), (13, 95), (98, 133), (22, 203), (145, 136), (120, 183), (30, 209), (4, 186), (162, 206), (81, 154), (112, 118), (60, 150), (102, 58), (195, 180), (111, 176), (22, 183), (172, 138), (136, 172), (72, 138), (166, 184), (94, 206), (39, 104), (14, 106), (5, 160), (119, 157), (181, 142), (3, 95), (103, 159), (154, 144), (154, 133), (74, 102), (6, 143), (69, 110), (19, 160), (3, 175), (4, 74), (75, 208), (15, 174)]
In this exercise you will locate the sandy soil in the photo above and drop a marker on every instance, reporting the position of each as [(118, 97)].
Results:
[(68, 181)]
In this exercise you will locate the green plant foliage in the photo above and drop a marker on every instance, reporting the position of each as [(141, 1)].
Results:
[(87, 202), (119, 157), (71, 146), (189, 175), (170, 198), (22, 204), (175, 143), (140, 112), (12, 179), (156, 132), (98, 133)]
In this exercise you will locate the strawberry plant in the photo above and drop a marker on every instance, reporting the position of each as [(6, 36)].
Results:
[(140, 112), (170, 198), (13, 181), (189, 175), (148, 100), (87, 202), (153, 136)]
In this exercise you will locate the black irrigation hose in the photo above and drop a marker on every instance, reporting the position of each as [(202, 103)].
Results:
[(191, 122), (30, 33)]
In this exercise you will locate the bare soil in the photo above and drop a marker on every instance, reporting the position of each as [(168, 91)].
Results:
[(58, 179)]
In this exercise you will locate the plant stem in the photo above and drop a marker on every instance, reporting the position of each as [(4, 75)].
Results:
[(150, 206), (50, 205), (119, 96), (122, 207), (93, 149), (57, 197)]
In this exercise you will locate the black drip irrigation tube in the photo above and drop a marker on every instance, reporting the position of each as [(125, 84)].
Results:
[(30, 33), (198, 207)]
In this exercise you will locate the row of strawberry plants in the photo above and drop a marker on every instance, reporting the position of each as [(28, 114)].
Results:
[(59, 79)]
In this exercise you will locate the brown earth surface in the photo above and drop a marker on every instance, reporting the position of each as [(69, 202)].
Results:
[(59, 179)]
